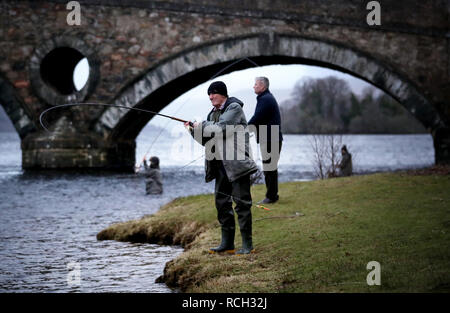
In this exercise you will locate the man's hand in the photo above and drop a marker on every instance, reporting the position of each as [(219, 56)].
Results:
[(190, 124)]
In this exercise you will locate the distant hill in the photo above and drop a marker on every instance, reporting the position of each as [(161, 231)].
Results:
[(5, 123)]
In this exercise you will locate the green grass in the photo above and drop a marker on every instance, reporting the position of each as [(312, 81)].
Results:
[(318, 238)]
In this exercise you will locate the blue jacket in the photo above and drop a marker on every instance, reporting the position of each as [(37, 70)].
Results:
[(267, 113)]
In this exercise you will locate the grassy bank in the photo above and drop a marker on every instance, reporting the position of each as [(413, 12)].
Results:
[(318, 238)]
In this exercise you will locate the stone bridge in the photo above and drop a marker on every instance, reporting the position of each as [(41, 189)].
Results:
[(144, 54)]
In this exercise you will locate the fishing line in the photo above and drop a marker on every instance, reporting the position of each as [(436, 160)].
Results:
[(103, 104), (204, 187), (157, 114), (225, 194), (186, 165), (190, 162), (236, 198), (190, 97), (143, 110)]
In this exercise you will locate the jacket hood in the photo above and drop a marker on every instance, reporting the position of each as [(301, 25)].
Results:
[(228, 102), (233, 99)]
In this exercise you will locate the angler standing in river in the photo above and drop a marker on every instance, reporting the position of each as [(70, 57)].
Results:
[(225, 131), (153, 181)]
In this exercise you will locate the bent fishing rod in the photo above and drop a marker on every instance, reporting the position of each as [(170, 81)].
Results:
[(110, 105), (211, 78)]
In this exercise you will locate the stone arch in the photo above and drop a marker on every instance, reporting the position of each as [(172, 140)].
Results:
[(177, 74), (15, 108), (73, 50)]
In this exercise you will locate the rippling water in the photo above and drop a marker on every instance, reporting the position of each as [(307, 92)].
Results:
[(49, 220)]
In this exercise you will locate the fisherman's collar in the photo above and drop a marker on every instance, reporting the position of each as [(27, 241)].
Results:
[(263, 93), (222, 106)]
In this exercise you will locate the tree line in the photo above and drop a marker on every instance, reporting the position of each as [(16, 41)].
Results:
[(328, 106)]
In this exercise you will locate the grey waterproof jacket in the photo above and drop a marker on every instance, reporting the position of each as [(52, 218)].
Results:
[(153, 181), (225, 137)]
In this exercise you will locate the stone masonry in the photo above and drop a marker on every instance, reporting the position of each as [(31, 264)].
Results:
[(144, 54)]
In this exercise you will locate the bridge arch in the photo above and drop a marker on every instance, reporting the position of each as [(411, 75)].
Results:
[(15, 108), (177, 74)]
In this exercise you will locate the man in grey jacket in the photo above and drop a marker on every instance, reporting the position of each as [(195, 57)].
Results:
[(228, 160)]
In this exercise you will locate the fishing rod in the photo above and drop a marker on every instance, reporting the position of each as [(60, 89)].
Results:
[(110, 105), (211, 78), (152, 112)]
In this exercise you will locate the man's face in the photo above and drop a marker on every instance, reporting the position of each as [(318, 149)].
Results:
[(216, 99), (258, 87)]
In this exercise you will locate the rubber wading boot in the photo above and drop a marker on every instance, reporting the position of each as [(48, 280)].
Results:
[(227, 244), (247, 245)]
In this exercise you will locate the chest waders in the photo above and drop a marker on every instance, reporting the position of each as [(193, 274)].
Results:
[(225, 193)]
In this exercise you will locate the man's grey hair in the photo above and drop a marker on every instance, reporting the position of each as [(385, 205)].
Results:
[(264, 80)]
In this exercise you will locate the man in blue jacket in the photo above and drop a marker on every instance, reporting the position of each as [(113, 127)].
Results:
[(267, 120)]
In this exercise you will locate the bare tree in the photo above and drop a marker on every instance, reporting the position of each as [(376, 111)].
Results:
[(318, 148), (326, 155), (333, 144)]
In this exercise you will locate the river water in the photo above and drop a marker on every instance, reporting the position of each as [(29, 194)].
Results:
[(49, 221)]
